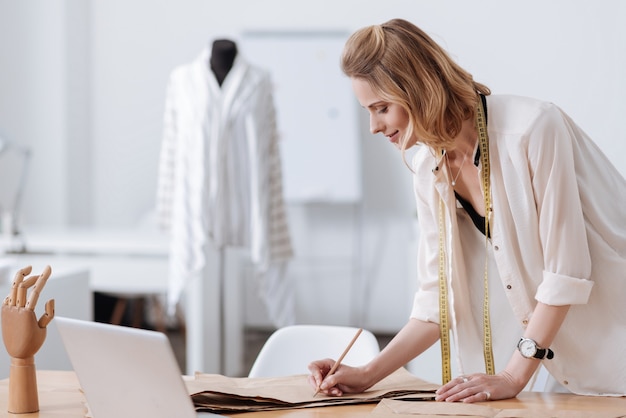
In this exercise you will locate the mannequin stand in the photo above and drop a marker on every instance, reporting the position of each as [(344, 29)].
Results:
[(214, 323)]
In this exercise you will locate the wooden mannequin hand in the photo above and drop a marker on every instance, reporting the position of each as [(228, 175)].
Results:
[(22, 333), (23, 336)]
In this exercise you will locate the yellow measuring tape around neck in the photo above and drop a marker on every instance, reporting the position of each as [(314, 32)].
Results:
[(444, 326)]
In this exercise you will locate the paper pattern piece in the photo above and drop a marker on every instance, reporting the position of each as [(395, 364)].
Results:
[(393, 408), (221, 394)]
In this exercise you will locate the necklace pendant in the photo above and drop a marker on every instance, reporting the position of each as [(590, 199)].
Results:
[(453, 179)]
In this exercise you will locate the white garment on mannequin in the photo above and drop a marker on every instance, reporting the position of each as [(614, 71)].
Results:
[(220, 177)]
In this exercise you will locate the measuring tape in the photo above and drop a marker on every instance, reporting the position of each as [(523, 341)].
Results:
[(444, 326)]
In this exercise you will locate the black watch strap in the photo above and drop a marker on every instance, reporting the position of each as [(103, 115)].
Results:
[(544, 353)]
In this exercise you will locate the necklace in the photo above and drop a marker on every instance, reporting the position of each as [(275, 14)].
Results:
[(455, 178)]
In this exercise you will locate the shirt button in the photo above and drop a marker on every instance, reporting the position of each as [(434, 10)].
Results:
[(508, 286), (525, 322), (496, 248), (565, 382)]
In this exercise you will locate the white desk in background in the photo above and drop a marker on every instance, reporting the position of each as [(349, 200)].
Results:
[(134, 262)]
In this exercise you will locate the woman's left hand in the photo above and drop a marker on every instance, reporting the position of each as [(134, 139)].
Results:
[(479, 387)]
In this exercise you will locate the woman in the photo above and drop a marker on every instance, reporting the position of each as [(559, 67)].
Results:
[(537, 277)]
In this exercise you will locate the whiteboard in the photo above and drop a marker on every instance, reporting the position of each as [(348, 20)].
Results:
[(316, 113)]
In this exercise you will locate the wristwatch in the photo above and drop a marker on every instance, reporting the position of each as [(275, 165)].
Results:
[(529, 349)]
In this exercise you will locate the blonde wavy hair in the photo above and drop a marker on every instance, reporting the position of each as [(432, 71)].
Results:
[(404, 65)]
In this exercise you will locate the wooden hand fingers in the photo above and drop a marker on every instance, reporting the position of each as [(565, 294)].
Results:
[(39, 284), (22, 289), (21, 284), (48, 314), (19, 278)]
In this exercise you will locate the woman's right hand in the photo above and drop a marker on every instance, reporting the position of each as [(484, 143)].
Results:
[(346, 379)]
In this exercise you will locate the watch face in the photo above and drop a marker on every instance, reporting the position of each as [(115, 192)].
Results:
[(528, 348)]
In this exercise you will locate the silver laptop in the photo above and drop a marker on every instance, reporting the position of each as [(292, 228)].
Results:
[(126, 372)]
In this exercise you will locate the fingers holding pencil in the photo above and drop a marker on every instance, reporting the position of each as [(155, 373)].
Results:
[(340, 359), (321, 370)]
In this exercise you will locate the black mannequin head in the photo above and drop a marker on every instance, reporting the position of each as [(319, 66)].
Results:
[(223, 55)]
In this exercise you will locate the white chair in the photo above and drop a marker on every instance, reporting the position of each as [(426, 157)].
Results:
[(289, 350)]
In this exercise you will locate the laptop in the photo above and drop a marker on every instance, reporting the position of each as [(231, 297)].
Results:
[(126, 372)]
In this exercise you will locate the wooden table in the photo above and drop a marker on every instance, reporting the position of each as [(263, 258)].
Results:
[(60, 397)]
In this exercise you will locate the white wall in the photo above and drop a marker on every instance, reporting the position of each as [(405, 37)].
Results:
[(83, 82), (32, 100)]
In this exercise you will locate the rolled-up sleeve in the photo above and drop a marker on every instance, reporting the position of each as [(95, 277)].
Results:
[(558, 290), (426, 307)]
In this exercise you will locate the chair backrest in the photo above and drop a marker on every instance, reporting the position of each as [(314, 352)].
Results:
[(289, 350)]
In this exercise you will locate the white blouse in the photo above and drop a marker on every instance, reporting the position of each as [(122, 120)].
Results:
[(558, 236)]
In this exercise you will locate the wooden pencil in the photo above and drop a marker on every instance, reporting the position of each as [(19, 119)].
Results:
[(339, 360)]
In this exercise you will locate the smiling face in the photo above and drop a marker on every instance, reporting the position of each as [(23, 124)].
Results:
[(386, 117), (406, 69)]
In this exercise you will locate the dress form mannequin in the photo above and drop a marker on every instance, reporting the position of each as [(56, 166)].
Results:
[(223, 55)]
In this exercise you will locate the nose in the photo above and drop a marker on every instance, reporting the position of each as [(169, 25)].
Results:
[(375, 125)]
